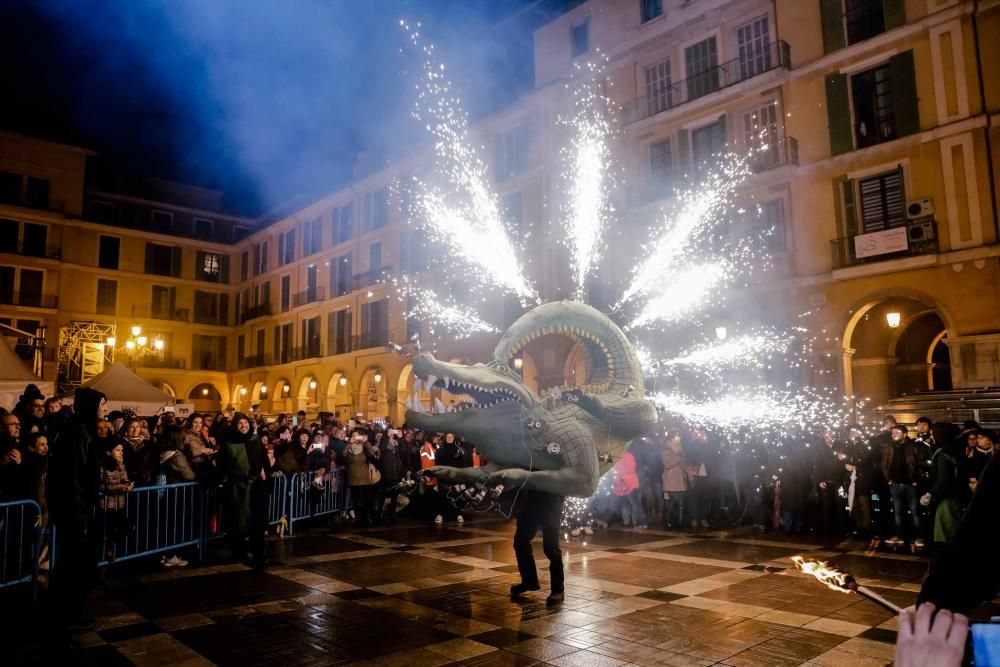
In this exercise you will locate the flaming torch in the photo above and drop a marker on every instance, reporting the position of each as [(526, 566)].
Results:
[(841, 581)]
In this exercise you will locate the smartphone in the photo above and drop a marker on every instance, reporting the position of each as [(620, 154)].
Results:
[(985, 643), (317, 445)]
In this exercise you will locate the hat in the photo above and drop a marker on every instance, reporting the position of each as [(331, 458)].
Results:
[(970, 424), (987, 433)]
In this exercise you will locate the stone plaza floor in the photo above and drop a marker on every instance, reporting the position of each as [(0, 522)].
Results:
[(416, 594)]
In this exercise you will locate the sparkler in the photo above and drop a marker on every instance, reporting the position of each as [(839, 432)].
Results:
[(841, 581)]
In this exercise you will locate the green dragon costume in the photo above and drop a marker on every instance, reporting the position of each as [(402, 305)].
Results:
[(552, 443)]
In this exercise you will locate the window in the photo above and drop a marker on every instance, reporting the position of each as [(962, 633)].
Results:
[(767, 222), (513, 148), (374, 324), (753, 40), (312, 237), (240, 232), (412, 252), (311, 339), (701, 62), (708, 142), (212, 267), (874, 113), (882, 201), (376, 209), (312, 281), (659, 88), (108, 252), (661, 168), (102, 211), (7, 285), (244, 265), (260, 258), (579, 38), (650, 9), (161, 305), (286, 247), (163, 260), (512, 205), (283, 343), (339, 332), (260, 344), (343, 223), (375, 260), (9, 231), (863, 19), (208, 353), (211, 308), (30, 288), (24, 346), (241, 348), (286, 293), (203, 229), (107, 296), (760, 136), (35, 236), (37, 193), (160, 221), (340, 275), (10, 187)]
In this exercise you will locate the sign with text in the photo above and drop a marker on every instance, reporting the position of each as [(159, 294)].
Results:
[(880, 243)]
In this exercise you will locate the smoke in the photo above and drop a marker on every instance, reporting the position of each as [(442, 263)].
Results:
[(265, 99)]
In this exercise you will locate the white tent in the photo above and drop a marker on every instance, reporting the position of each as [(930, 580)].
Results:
[(15, 376), (127, 391)]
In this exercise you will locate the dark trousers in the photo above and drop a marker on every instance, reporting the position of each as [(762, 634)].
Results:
[(829, 508), (541, 510), (258, 520), (73, 574), (904, 498), (361, 499)]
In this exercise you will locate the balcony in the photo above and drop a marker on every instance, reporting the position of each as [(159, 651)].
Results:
[(369, 278), (914, 238), (773, 56), (311, 295), (162, 313), (253, 312), (30, 300), (29, 249), (254, 361), (785, 152), (217, 318), (311, 351), (166, 362)]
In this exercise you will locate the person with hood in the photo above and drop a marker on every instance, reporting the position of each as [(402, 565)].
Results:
[(392, 473), (243, 464), (947, 490), (71, 492)]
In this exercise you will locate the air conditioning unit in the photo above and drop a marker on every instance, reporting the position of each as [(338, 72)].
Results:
[(922, 230), (919, 208)]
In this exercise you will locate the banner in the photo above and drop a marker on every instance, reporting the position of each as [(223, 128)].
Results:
[(881, 243)]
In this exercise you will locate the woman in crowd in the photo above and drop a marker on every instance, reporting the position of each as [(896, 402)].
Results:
[(114, 485), (675, 481), (140, 454), (196, 446), (357, 456), (294, 458), (244, 466), (947, 491), (391, 467)]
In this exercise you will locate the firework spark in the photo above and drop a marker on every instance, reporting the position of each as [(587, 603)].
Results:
[(457, 320), (753, 350), (682, 293)]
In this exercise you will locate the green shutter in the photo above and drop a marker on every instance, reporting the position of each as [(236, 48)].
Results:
[(838, 110), (904, 92), (850, 210), (831, 14), (894, 12), (683, 150)]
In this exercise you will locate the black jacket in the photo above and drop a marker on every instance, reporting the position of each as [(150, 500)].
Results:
[(74, 466)]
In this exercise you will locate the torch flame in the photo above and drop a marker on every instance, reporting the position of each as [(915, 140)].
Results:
[(829, 575)]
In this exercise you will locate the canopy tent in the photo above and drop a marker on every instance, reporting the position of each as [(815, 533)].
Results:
[(15, 376), (127, 391)]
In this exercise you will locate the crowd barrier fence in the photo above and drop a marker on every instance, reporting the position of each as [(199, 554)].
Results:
[(21, 536)]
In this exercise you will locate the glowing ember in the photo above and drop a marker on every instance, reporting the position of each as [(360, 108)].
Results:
[(835, 579), (460, 322)]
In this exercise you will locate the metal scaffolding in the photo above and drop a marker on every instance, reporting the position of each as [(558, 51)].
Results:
[(83, 353)]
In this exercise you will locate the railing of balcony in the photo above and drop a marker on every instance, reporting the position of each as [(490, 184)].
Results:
[(253, 312), (311, 295), (254, 361), (916, 237), (773, 56), (342, 345), (158, 313), (29, 299), (165, 362), (376, 338), (369, 278), (311, 350)]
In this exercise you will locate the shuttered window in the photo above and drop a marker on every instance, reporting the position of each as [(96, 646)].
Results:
[(754, 40), (659, 88), (882, 201), (661, 179)]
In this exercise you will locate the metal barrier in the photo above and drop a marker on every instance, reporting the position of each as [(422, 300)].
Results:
[(152, 520), (21, 538), (309, 500)]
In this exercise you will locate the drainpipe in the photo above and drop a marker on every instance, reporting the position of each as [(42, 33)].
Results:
[(986, 131)]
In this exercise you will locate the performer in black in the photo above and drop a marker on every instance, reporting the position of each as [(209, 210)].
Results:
[(539, 510)]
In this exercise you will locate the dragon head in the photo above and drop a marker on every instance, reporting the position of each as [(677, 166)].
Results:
[(501, 413)]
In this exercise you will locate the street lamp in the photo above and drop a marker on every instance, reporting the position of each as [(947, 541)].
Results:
[(138, 345), (892, 318), (377, 377)]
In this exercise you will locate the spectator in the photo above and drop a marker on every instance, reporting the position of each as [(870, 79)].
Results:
[(978, 453), (73, 482), (900, 466), (243, 463), (700, 482), (862, 465), (795, 480), (141, 457), (675, 481), (197, 448), (947, 490), (357, 457), (293, 458), (114, 485), (828, 476), (392, 474), (32, 414), (10, 454), (626, 487), (173, 464), (451, 453), (34, 471)]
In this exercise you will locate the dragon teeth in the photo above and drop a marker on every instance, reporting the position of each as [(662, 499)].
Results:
[(447, 382), (439, 406), (431, 380)]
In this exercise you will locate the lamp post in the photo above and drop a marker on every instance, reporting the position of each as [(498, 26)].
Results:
[(138, 345)]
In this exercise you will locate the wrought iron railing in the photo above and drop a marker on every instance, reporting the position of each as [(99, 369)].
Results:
[(29, 299), (310, 295), (674, 94), (921, 239), (253, 312), (154, 313)]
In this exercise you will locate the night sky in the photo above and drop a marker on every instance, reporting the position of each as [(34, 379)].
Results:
[(267, 100)]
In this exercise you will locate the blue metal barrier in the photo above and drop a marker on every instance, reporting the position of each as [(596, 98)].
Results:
[(307, 499), (152, 520), (21, 539)]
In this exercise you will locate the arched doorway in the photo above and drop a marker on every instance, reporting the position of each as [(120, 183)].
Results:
[(892, 346), (205, 397), (373, 398), (338, 396), (240, 397), (308, 396), (281, 396), (164, 387)]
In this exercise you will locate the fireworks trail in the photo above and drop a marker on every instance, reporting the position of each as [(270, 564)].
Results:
[(466, 218), (684, 293), (459, 321), (753, 350)]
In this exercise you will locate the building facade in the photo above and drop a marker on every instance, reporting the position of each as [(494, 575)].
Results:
[(869, 128)]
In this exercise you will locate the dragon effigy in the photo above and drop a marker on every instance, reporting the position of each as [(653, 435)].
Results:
[(553, 442)]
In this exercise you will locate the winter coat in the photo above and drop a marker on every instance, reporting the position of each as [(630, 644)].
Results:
[(141, 460), (114, 486), (175, 467), (674, 475), (829, 467), (455, 455), (913, 458), (795, 477), (390, 465), (195, 446), (626, 477), (357, 466), (242, 463), (74, 475)]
